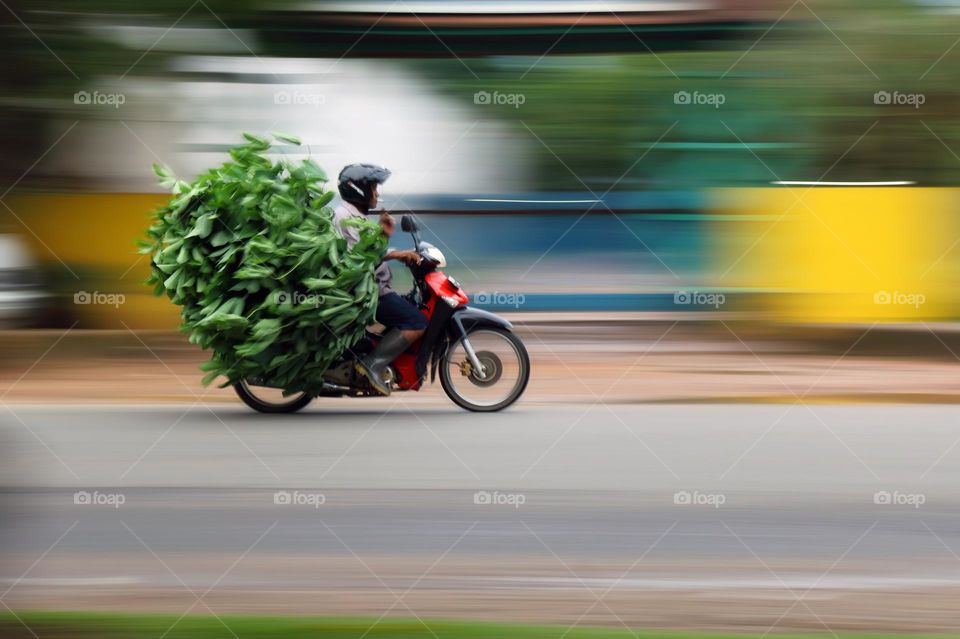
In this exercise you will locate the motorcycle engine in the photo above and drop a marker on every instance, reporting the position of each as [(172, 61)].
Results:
[(342, 374)]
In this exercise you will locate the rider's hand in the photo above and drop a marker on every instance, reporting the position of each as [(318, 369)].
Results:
[(387, 223), (409, 258)]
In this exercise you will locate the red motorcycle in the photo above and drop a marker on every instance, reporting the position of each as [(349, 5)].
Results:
[(483, 365)]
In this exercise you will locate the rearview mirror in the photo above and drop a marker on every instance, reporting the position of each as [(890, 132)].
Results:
[(408, 224)]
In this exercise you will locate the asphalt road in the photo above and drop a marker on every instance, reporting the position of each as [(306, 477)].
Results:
[(670, 512)]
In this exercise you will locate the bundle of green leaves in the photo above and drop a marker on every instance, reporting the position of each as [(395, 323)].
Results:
[(250, 252)]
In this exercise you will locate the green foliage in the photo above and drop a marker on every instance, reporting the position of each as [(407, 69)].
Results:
[(250, 252)]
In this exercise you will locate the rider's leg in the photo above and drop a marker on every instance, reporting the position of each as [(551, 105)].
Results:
[(413, 335), (406, 325), (390, 346)]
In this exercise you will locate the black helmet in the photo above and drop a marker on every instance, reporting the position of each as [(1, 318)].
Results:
[(357, 182)]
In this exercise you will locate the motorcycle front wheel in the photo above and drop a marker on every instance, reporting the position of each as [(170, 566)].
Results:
[(506, 370), (270, 400)]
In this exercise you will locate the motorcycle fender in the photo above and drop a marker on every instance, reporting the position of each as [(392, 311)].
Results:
[(470, 316)]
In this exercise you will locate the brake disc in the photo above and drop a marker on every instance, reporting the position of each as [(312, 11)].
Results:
[(492, 367)]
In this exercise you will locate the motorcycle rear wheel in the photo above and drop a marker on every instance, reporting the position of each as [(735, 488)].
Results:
[(258, 398)]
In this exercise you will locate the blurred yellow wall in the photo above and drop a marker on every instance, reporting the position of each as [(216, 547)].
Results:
[(819, 254), (843, 254), (95, 235)]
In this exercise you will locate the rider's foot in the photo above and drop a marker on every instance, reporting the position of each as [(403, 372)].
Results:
[(373, 365), (376, 382)]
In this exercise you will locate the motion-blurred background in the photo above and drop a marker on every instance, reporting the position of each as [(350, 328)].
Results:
[(570, 156), (678, 202)]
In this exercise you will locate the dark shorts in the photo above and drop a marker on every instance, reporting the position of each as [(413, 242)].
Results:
[(394, 311)]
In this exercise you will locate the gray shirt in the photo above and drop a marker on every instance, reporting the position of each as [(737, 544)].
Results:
[(352, 235)]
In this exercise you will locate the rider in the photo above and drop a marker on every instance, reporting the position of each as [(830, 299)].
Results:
[(358, 185)]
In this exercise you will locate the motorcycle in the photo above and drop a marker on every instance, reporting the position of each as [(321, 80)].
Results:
[(483, 365)]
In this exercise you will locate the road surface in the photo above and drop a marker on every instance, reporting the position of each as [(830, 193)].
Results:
[(686, 516)]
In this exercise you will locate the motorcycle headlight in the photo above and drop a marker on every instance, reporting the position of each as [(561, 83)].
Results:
[(431, 252), (452, 301)]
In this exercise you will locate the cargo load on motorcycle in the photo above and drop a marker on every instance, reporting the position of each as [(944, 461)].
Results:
[(264, 281)]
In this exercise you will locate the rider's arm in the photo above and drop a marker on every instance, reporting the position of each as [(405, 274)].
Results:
[(387, 224), (407, 257)]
